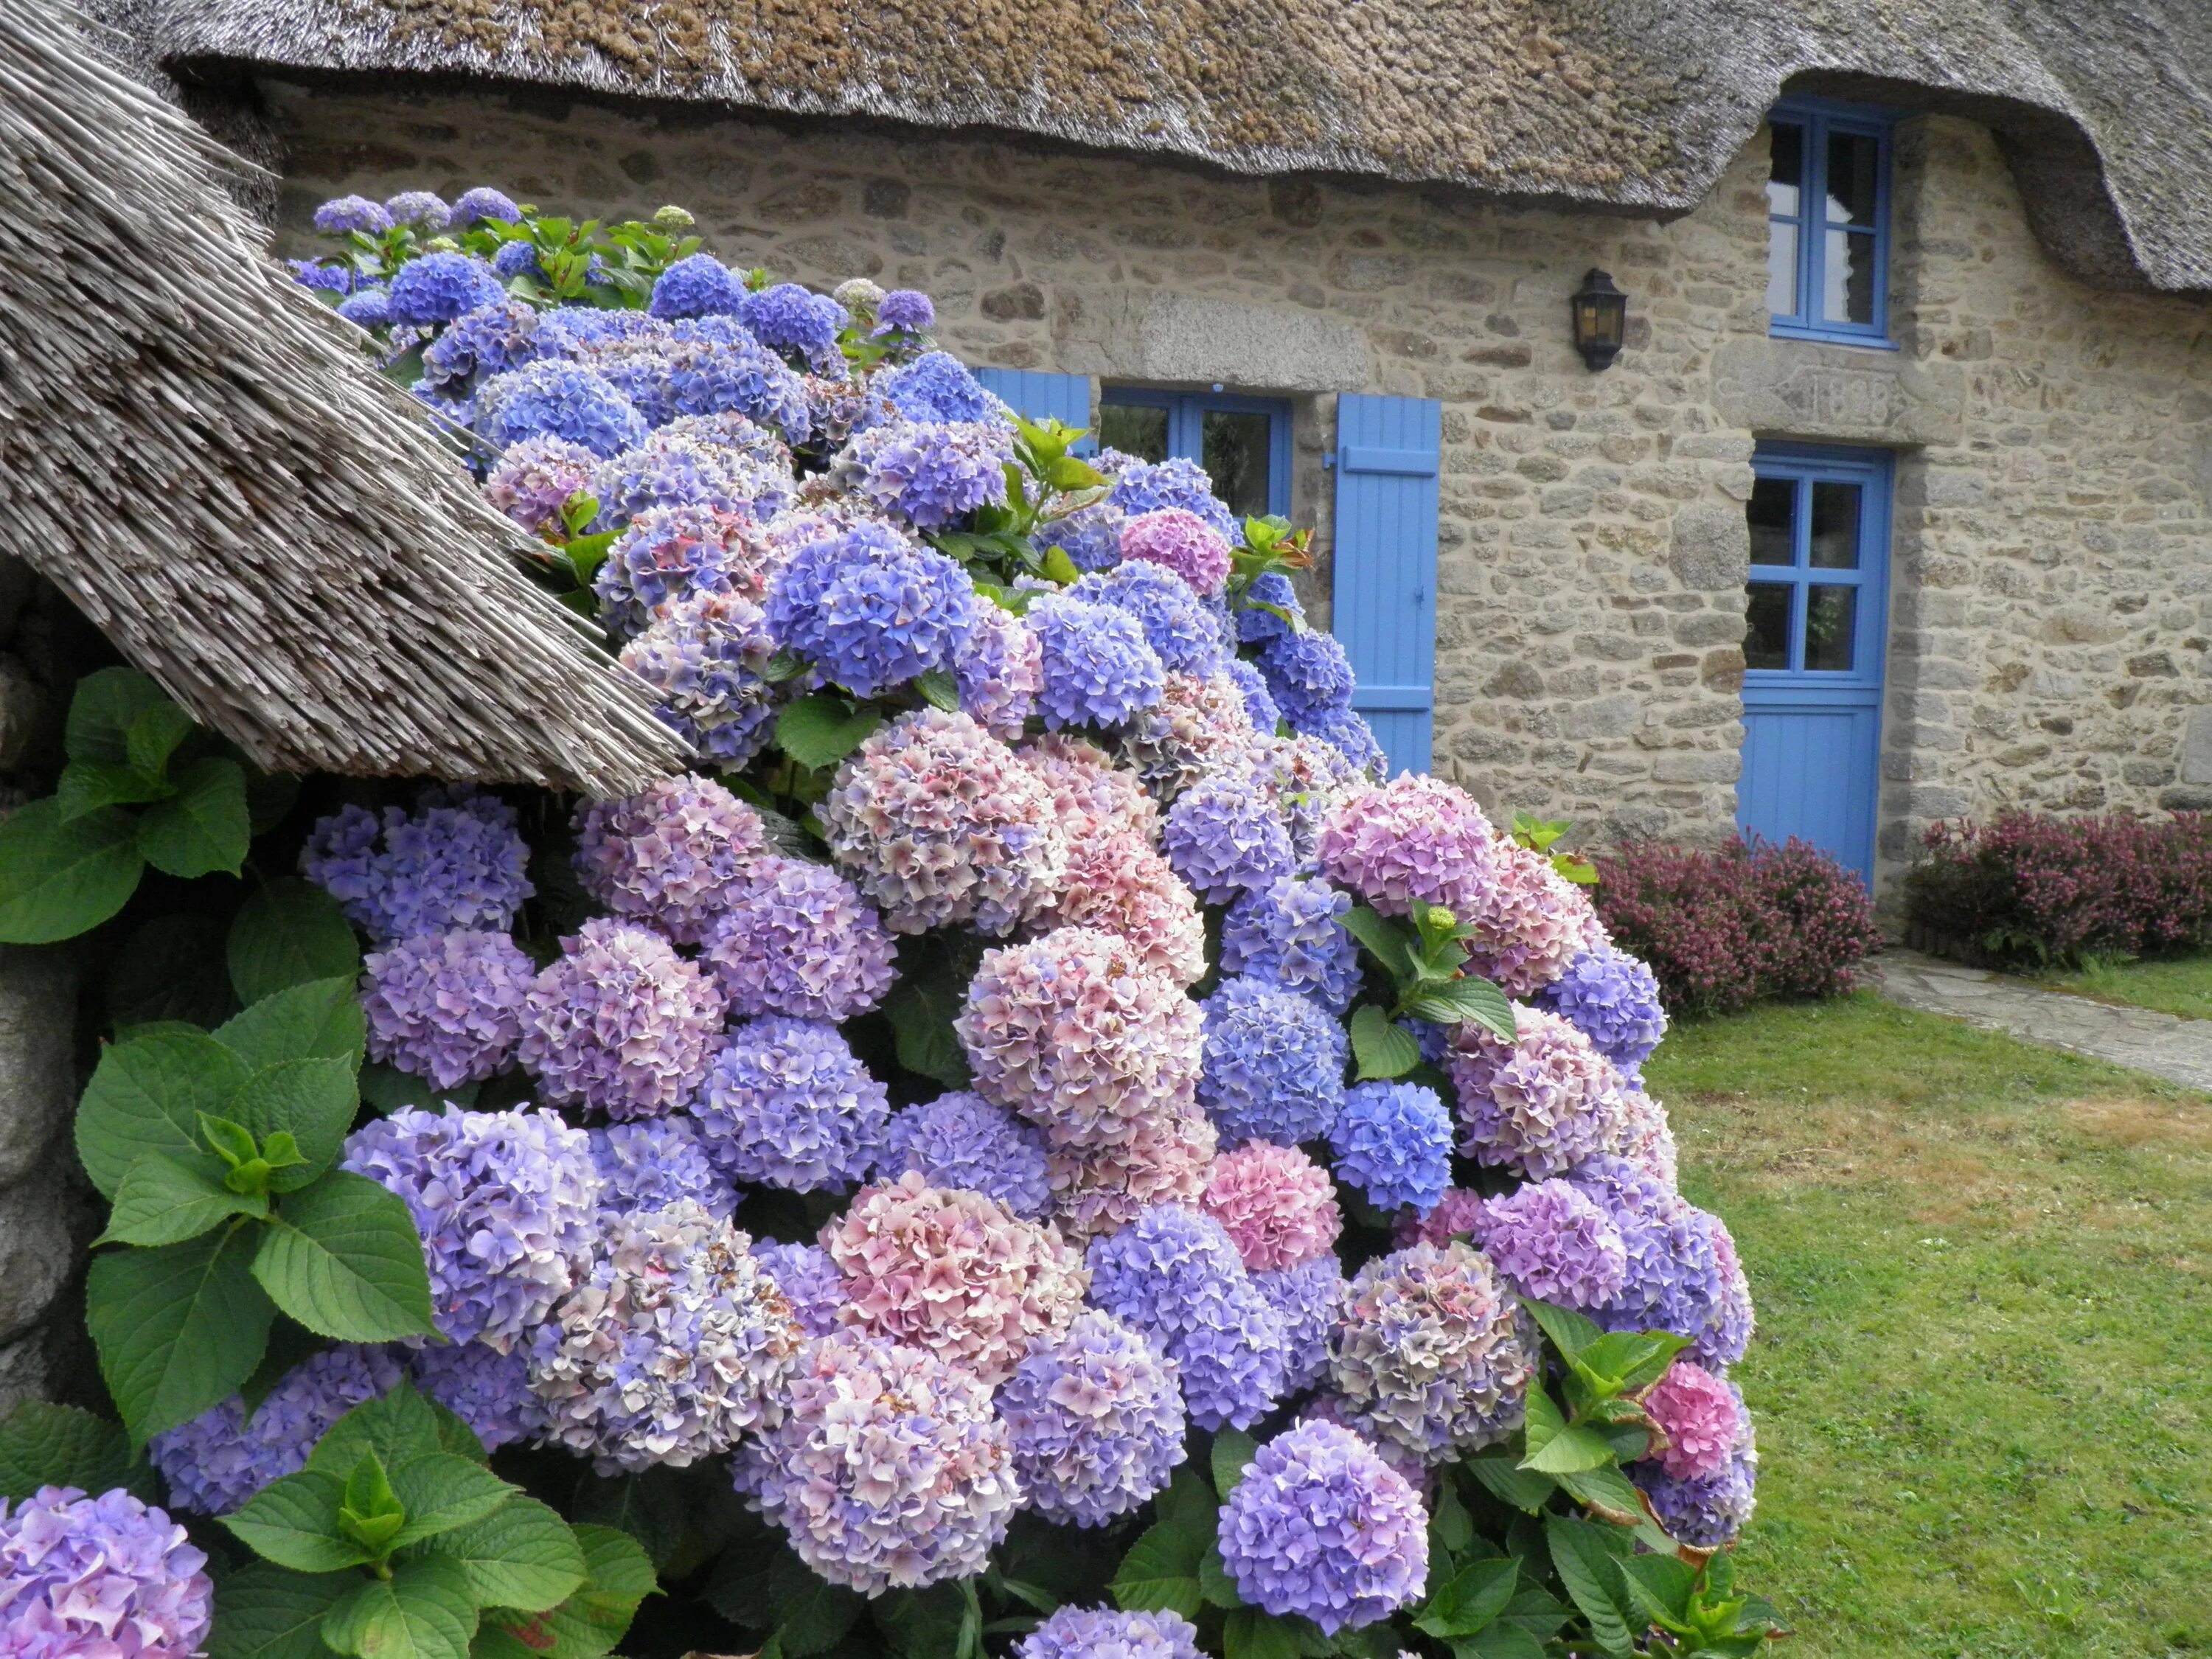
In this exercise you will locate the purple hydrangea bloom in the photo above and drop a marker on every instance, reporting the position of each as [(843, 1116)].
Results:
[(935, 386), (223, 1456), (488, 340), (1000, 668), (961, 1140), (1346, 731), (697, 285), (1225, 838), (1097, 1634), (1612, 998), (670, 554), (506, 1203), (105, 1578), (789, 317), (1704, 1513), (367, 307), (928, 472), (1538, 1105), (553, 399), (1096, 1420), (673, 855), (704, 655), (798, 940), (516, 259), (440, 287), (1308, 673), (343, 213), (620, 1023), (1554, 1242), (656, 1162), (484, 202), (1148, 487), (328, 279), (455, 863), (870, 608), (447, 1007), (1307, 1298), (666, 472), (787, 1104), (419, 209), (1321, 1527), (1259, 702), (1097, 665), (714, 367), (1291, 934), (1675, 1278), (1174, 1274), (1255, 624), (904, 310), (1091, 536), (810, 1282), (487, 1389), (1393, 1142), (1274, 1064), (678, 1343), (1177, 623), (533, 481)]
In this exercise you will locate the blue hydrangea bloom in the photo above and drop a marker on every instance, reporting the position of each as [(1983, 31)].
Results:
[(440, 287), (704, 654), (789, 317), (1099, 1633), (1091, 536), (929, 472), (810, 1281), (330, 279), (651, 1162), (697, 285), (1393, 1141), (903, 310), (962, 1140), (1274, 1066), (870, 608), (456, 863), (1096, 1420), (341, 214), (1225, 837), (1098, 668), (1269, 588), (935, 387), (552, 398), (1612, 998), (490, 340), (487, 1389), (516, 259), (483, 203), (1291, 934), (1307, 1298), (1147, 487), (1174, 619), (367, 307), (1308, 673), (1682, 1272), (706, 373), (1173, 1274), (1707, 1513), (223, 1456), (419, 209), (1346, 731), (787, 1103), (1259, 702)]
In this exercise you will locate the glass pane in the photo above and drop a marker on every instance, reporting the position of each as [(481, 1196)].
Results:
[(1781, 268), (1852, 161), (1135, 429), (1849, 274), (1766, 626), (1235, 458), (1789, 170), (1831, 620), (1835, 526), (1773, 505)]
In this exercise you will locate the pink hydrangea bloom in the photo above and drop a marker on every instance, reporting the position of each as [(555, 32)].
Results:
[(1075, 1033), (1531, 921), (1277, 1205), (1538, 1105), (938, 823), (953, 1272), (1090, 796), (1199, 727), (1098, 1191), (671, 855), (1416, 837), (1182, 541), (620, 1022), (1118, 883), (1698, 1413), (1455, 1217)]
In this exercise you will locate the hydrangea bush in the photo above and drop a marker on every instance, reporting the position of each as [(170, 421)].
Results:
[(1035, 1146)]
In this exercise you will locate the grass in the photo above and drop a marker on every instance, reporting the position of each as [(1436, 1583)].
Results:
[(1983, 1374), (2176, 985)]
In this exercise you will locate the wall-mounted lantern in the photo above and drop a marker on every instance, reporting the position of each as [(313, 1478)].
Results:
[(1601, 316)]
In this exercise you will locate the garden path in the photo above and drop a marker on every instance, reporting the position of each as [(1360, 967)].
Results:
[(2165, 1045)]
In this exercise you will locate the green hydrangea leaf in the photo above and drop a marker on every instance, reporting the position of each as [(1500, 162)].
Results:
[(313, 1101), (319, 1020), (179, 1328), (205, 827), (288, 932), (342, 1256), (102, 710), (423, 1611), (57, 879), (264, 1611), (48, 1445), (165, 1199), (522, 1555), (147, 1095)]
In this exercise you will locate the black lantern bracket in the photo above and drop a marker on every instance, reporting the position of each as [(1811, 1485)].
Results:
[(1600, 311)]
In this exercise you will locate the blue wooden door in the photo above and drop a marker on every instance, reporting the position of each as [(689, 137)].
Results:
[(1384, 587), (1814, 637)]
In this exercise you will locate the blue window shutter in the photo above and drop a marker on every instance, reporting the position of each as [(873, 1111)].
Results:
[(1385, 585), (1039, 397)]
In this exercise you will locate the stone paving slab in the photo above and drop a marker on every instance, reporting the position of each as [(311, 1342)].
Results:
[(2165, 1045)]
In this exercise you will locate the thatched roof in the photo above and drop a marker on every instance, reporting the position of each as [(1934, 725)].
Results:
[(196, 453), (1632, 105)]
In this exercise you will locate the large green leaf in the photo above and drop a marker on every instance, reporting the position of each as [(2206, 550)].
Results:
[(594, 1618), (154, 737), (162, 974), (267, 1612), (103, 708), (342, 1257), (179, 1328), (1248, 1633), (1470, 1599), (922, 1012), (811, 1613), (397, 1427), (47, 1445), (522, 1555), (88, 785), (147, 1095), (205, 827), (293, 1522), (1161, 1570), (288, 932), (165, 1199), (1556, 1448), (1588, 1557), (821, 730), (56, 879), (1476, 1000), (319, 1020), (1233, 1452), (1386, 940), (441, 1491), (1510, 1485), (1381, 1048), (313, 1101), (423, 1611)]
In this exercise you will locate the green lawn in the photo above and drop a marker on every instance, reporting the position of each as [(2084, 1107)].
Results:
[(2179, 985), (1984, 1373)]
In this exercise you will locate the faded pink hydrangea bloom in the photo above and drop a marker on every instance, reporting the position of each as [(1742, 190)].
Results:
[(1698, 1413), (1416, 837), (1183, 542), (1092, 797), (1199, 727), (1530, 922), (1277, 1205), (1097, 1192), (672, 855), (1118, 883), (1540, 1105), (620, 1022)]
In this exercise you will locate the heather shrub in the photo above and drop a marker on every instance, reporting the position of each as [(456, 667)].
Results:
[(1723, 927)]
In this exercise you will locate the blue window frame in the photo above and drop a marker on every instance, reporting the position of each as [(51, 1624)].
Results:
[(1827, 214), (1243, 443)]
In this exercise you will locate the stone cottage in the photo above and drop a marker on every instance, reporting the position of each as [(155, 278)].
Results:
[(1894, 507)]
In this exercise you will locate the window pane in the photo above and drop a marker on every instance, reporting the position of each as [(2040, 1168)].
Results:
[(1781, 268), (1766, 626), (1789, 170), (1773, 505), (1850, 277), (1835, 526), (1831, 620), (1235, 458), (1135, 429), (1851, 162)]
